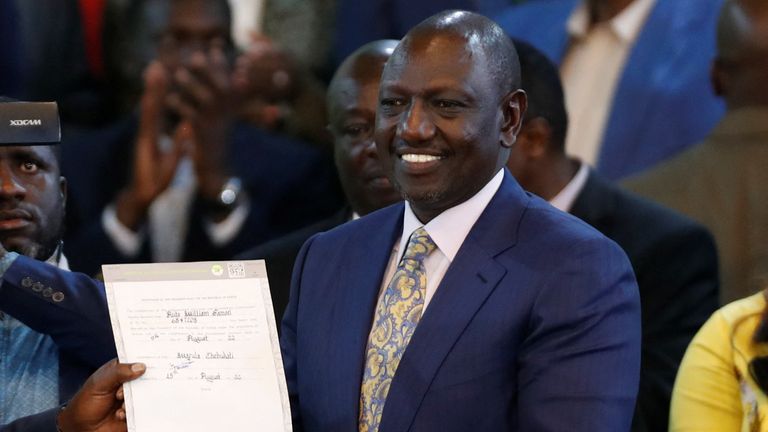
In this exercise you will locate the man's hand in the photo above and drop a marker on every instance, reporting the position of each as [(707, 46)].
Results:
[(203, 97), (98, 406), (153, 167)]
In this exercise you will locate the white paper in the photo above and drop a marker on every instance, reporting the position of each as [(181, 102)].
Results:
[(207, 333)]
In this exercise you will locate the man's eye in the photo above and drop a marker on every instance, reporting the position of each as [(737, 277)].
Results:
[(392, 102), (355, 130), (448, 104), (29, 167)]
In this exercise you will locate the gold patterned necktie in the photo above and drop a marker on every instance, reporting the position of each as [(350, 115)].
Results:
[(395, 320)]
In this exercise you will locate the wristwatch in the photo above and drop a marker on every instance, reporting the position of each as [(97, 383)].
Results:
[(228, 197), (230, 192)]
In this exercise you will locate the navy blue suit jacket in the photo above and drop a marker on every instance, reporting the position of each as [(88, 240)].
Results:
[(78, 324), (663, 101), (535, 326)]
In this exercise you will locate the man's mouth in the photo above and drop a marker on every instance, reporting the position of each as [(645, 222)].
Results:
[(14, 219), (379, 182), (420, 163), (419, 158)]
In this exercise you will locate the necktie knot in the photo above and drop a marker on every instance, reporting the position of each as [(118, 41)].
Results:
[(420, 245)]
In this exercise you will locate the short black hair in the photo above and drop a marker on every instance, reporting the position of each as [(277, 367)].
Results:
[(483, 37), (541, 82)]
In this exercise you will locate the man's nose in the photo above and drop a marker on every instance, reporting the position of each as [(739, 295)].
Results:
[(369, 148), (10, 186), (416, 124)]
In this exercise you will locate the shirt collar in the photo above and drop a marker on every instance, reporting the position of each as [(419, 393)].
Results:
[(567, 196), (449, 229), (627, 24), (58, 259)]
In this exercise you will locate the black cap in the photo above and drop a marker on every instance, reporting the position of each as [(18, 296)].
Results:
[(29, 123)]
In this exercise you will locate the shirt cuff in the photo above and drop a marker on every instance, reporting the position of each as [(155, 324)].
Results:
[(126, 241), (6, 261), (223, 232)]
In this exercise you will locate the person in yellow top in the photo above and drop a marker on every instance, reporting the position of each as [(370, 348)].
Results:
[(723, 379)]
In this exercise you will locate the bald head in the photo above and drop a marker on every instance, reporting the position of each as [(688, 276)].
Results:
[(352, 100), (483, 41), (741, 66), (362, 66)]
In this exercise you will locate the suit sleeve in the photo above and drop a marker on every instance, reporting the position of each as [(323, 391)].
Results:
[(288, 337), (70, 307), (579, 366), (42, 422), (679, 281)]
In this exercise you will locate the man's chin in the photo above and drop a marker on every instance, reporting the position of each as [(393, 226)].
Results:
[(27, 248), (430, 199)]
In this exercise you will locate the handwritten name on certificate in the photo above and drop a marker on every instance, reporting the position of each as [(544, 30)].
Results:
[(207, 333)]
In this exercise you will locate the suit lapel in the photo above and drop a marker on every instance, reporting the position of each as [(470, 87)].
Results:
[(469, 281), (359, 283)]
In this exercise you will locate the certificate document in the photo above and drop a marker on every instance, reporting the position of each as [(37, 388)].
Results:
[(207, 333)]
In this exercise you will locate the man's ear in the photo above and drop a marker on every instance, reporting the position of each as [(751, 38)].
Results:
[(513, 110), (63, 188), (534, 138)]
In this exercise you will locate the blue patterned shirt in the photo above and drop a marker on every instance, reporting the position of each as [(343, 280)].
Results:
[(29, 365)]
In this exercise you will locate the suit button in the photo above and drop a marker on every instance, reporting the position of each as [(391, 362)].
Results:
[(48, 292), (58, 296), (37, 287), (26, 282)]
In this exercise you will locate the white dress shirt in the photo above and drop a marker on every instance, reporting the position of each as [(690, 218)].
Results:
[(564, 199), (591, 71), (448, 230), (247, 17)]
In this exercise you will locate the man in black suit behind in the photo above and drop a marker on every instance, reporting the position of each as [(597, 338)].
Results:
[(352, 100), (674, 259)]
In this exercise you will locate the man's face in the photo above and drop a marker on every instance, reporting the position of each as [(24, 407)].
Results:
[(439, 123), (32, 194), (194, 26), (352, 114)]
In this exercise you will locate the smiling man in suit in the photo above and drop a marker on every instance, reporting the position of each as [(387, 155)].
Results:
[(473, 306), (674, 259)]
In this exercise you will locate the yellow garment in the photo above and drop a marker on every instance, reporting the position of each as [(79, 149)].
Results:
[(714, 390)]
